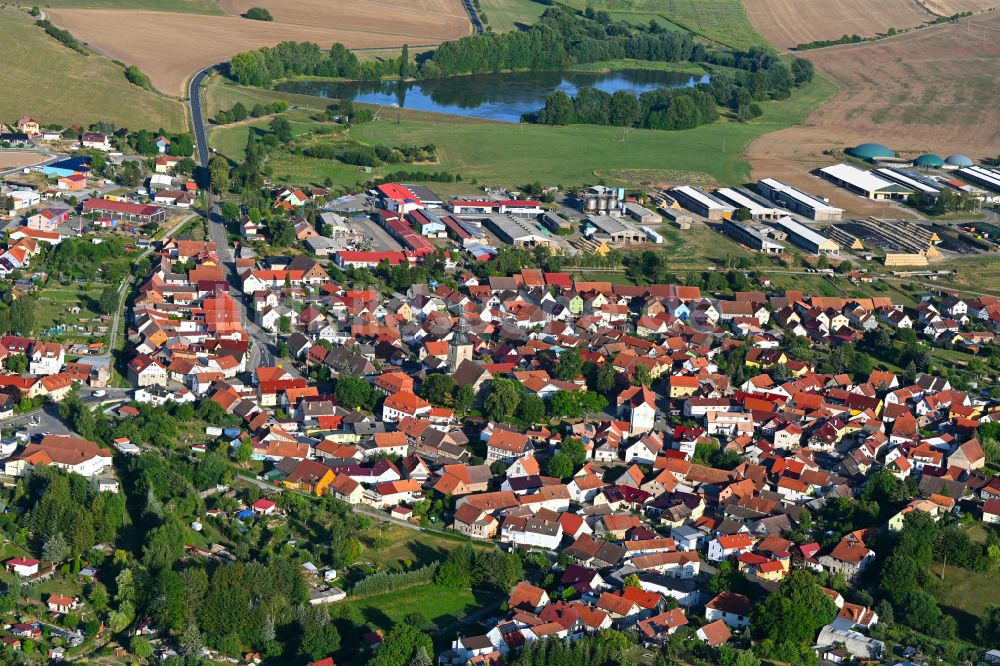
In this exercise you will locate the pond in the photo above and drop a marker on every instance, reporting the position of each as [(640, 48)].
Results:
[(504, 97)]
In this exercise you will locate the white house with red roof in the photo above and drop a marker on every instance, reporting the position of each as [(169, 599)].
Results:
[(730, 545), (264, 507), (23, 566), (638, 405)]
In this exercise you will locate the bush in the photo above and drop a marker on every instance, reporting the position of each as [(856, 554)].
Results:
[(137, 77), (258, 14)]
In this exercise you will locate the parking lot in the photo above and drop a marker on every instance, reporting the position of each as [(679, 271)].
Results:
[(380, 239)]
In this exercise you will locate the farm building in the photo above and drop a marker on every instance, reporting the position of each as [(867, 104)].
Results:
[(929, 161), (988, 178), (806, 238), (130, 212), (752, 238), (517, 232), (555, 222), (702, 203), (614, 229), (502, 207), (760, 209), (600, 199), (871, 151), (864, 183), (640, 214), (910, 179), (798, 201)]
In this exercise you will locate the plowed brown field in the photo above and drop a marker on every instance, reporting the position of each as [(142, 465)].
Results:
[(932, 90), (788, 23), (170, 47)]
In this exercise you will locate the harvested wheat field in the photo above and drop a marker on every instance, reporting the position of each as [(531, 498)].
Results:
[(429, 20), (170, 47), (933, 90), (788, 23), (952, 7), (17, 159)]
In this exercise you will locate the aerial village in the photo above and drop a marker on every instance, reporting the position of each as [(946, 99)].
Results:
[(670, 454)]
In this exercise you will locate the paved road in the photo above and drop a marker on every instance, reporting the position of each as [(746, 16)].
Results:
[(197, 118), (261, 349), (477, 25)]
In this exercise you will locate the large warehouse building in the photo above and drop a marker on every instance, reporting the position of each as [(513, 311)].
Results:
[(760, 209), (988, 178), (805, 238), (864, 183), (516, 231), (798, 201), (702, 203), (752, 238), (614, 229)]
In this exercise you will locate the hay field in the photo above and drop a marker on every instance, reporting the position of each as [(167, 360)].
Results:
[(170, 47), (58, 85), (932, 90), (788, 23)]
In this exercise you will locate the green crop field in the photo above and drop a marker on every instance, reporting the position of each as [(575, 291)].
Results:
[(55, 84), (508, 154), (722, 21), (54, 302), (507, 15), (186, 6)]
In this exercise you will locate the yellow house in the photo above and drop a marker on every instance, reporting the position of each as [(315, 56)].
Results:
[(683, 386), (309, 476)]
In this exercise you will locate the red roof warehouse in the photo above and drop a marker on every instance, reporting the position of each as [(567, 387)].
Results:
[(131, 212)]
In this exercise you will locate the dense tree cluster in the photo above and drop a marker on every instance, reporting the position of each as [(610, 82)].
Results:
[(558, 39), (755, 75), (467, 567), (263, 66)]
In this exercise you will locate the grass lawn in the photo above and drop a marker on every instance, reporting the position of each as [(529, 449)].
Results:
[(55, 84), (54, 301), (964, 594), (419, 548), (507, 15), (508, 154), (442, 606), (186, 6)]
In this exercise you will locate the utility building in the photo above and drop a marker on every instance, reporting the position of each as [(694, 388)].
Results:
[(798, 201), (702, 203)]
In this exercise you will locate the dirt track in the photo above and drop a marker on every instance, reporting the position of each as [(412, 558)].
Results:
[(934, 90), (170, 46)]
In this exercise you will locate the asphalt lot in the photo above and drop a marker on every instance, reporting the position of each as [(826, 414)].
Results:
[(381, 240)]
